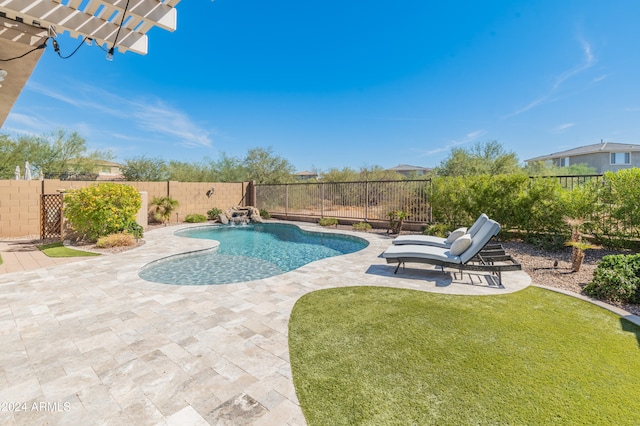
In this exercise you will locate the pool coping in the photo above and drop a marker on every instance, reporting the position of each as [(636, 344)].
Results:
[(114, 347)]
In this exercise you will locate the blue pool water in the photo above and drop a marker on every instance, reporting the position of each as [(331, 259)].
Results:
[(248, 253)]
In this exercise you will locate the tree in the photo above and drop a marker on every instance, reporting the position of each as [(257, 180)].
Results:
[(263, 166), (378, 173), (487, 158), (52, 155), (229, 169), (346, 174), (9, 157), (190, 172), (145, 169)]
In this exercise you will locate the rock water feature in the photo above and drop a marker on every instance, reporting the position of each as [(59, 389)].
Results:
[(240, 216)]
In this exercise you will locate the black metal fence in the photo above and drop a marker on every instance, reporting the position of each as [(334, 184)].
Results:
[(375, 200), (367, 201), (570, 182)]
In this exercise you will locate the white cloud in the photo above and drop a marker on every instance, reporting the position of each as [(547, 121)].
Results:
[(160, 118), (148, 115), (468, 138), (588, 62), (562, 127)]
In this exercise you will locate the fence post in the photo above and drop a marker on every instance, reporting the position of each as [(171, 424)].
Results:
[(366, 202), (322, 201), (286, 200)]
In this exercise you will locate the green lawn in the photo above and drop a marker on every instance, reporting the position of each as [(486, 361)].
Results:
[(381, 356), (59, 250)]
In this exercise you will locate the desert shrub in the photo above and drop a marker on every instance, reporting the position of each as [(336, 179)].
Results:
[(497, 196), (616, 279), (195, 218), (539, 210), (362, 226), (437, 229), (102, 209), (214, 213), (621, 196), (121, 239), (265, 214), (328, 221), (451, 201)]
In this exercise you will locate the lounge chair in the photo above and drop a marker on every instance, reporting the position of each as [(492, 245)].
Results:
[(465, 254), (431, 240)]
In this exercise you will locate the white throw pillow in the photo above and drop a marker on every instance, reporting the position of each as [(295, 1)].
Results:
[(460, 245), (455, 235)]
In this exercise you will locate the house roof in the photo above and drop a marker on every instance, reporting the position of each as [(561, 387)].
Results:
[(590, 149), (306, 173), (407, 168)]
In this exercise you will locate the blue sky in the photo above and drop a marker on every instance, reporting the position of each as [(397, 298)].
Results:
[(351, 83)]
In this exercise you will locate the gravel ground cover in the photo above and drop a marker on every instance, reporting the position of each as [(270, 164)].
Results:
[(541, 266)]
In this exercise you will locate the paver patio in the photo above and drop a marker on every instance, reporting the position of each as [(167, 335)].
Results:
[(90, 342)]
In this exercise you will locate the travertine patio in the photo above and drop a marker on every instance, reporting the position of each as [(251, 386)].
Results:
[(90, 342)]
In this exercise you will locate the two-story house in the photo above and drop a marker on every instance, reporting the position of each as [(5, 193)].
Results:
[(603, 156)]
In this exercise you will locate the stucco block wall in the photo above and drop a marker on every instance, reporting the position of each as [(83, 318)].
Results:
[(193, 198), (20, 200), (19, 208)]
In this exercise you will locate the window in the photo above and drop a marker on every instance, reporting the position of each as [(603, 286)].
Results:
[(620, 158), (564, 162)]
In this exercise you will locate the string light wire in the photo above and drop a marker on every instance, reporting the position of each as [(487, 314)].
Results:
[(115, 41)]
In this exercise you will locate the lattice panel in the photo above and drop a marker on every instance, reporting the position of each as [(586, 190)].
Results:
[(51, 216)]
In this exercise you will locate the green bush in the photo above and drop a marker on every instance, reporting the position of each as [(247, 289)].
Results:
[(362, 226), (102, 209), (265, 214), (328, 221), (616, 279), (620, 194), (214, 213), (450, 201), (195, 218), (134, 229)]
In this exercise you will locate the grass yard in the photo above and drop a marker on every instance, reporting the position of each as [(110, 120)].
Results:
[(59, 250), (370, 355)]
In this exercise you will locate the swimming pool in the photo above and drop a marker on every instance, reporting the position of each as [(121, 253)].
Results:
[(248, 253)]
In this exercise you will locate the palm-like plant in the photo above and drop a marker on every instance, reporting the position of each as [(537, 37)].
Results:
[(578, 246), (396, 218), (162, 208)]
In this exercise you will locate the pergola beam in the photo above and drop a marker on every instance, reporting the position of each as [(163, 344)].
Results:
[(98, 19)]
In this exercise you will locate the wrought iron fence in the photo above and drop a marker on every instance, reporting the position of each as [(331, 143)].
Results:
[(371, 200), (569, 182)]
